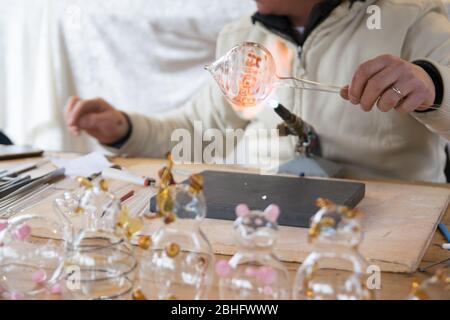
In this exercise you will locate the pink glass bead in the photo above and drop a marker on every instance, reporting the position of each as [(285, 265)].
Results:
[(222, 268), (267, 275), (17, 296), (22, 232), (251, 271), (242, 210), (259, 221), (3, 225), (272, 212), (56, 289), (39, 277)]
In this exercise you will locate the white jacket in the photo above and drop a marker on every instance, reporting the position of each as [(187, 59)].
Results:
[(371, 144)]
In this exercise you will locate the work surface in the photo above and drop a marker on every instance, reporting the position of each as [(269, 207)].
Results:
[(399, 221), (398, 224)]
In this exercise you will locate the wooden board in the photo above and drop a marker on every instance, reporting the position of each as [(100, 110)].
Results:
[(399, 223)]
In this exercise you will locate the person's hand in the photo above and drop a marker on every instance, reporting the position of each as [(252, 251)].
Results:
[(98, 118), (389, 82)]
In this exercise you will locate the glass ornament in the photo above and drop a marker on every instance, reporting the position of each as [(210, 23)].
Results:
[(247, 76), (179, 264), (335, 233), (254, 272), (435, 288), (100, 262), (32, 253)]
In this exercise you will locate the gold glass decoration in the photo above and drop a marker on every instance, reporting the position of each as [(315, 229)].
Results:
[(334, 270), (435, 288), (179, 264)]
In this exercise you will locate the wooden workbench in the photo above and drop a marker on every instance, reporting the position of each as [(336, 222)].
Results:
[(394, 285)]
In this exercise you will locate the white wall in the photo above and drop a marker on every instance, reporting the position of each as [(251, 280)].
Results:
[(141, 55)]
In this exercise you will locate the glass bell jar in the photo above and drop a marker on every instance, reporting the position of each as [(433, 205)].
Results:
[(179, 265), (100, 262), (32, 253), (435, 288), (254, 272), (334, 270)]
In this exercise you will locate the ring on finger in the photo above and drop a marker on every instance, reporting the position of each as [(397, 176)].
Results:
[(390, 96), (398, 92)]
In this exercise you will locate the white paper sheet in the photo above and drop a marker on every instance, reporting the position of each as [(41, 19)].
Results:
[(83, 166)]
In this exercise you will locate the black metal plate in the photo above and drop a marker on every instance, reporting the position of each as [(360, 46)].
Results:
[(295, 196)]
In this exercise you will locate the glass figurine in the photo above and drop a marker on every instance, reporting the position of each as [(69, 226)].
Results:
[(32, 252), (100, 263), (179, 263), (335, 233), (435, 288), (247, 76), (254, 272)]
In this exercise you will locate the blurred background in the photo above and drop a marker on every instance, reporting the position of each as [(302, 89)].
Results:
[(140, 55)]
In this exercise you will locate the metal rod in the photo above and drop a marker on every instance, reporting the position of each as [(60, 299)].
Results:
[(424, 269)]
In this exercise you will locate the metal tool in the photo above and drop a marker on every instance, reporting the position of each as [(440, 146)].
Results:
[(26, 192), (445, 261), (308, 161), (15, 171)]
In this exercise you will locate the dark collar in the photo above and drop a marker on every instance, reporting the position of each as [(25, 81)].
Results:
[(282, 26), (4, 139)]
